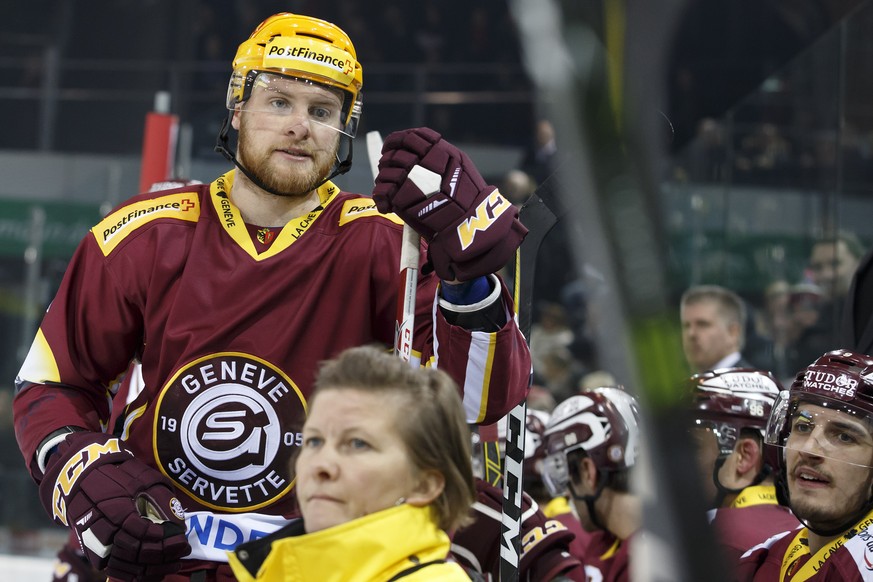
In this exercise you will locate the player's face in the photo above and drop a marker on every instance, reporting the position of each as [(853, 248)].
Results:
[(832, 265), (829, 456), (706, 336), (353, 461), (288, 134)]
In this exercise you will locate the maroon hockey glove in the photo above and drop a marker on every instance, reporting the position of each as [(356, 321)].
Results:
[(123, 512), (471, 228)]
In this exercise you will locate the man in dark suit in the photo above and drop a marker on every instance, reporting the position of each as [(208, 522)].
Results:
[(713, 328)]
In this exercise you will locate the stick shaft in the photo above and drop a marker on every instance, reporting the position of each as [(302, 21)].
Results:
[(409, 255)]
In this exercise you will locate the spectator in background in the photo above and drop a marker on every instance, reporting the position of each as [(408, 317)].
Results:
[(539, 398), (713, 328), (705, 159), (773, 324), (539, 159), (764, 157), (560, 373), (804, 308), (549, 332), (833, 261), (517, 186)]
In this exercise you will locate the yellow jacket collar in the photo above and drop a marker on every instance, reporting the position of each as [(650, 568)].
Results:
[(372, 548)]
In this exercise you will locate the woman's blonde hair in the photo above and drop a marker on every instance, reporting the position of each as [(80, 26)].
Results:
[(432, 426)]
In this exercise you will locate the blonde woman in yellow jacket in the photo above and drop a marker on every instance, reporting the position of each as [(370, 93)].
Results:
[(383, 472)]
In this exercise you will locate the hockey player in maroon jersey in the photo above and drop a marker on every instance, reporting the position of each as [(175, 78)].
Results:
[(729, 409), (546, 544), (592, 443), (823, 427), (231, 293), (557, 508)]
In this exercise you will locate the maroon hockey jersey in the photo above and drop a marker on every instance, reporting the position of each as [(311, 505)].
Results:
[(786, 557), (752, 518), (230, 340), (607, 558), (559, 508), (544, 542)]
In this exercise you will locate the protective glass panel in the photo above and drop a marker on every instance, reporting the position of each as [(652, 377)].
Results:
[(823, 428), (291, 99)]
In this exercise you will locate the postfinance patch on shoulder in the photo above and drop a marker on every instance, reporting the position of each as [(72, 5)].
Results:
[(117, 226), (363, 207)]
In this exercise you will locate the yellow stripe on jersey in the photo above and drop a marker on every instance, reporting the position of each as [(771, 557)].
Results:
[(117, 226), (611, 551), (40, 366), (232, 219), (363, 207), (129, 421)]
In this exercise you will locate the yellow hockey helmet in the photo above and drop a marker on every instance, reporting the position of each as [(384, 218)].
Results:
[(304, 48)]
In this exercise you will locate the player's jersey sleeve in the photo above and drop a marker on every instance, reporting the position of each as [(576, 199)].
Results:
[(763, 561), (492, 369), (92, 329)]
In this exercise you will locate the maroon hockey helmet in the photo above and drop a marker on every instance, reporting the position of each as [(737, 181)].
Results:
[(827, 412), (604, 422), (839, 380), (729, 400), (535, 426)]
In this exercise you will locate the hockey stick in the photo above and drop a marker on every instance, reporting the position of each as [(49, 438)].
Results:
[(429, 183), (611, 192), (539, 220)]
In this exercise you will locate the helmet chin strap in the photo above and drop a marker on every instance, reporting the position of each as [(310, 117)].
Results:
[(725, 491), (843, 527), (221, 146), (590, 500)]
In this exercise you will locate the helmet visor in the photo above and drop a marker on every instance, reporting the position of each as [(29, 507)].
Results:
[(820, 426), (292, 98), (556, 471), (555, 474)]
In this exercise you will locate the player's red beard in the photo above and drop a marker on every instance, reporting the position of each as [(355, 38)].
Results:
[(288, 182)]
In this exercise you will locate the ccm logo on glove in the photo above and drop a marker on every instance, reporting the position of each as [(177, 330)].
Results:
[(71, 471), (124, 513), (471, 229), (487, 213)]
